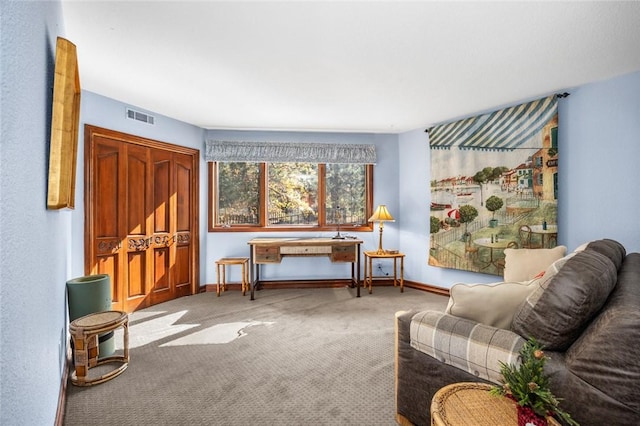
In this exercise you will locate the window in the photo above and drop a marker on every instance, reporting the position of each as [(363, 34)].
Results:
[(553, 151), (238, 201), (538, 162), (286, 196), (293, 194)]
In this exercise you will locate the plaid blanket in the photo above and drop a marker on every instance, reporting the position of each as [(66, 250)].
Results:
[(465, 344)]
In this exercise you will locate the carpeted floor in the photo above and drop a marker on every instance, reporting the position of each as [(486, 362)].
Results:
[(291, 357)]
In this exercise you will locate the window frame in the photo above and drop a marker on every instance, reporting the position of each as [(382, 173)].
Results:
[(322, 226)]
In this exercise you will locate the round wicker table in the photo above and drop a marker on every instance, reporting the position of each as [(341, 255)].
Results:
[(471, 404), (84, 332)]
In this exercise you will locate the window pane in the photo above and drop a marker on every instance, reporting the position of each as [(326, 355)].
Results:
[(238, 193), (346, 193), (554, 137), (293, 194)]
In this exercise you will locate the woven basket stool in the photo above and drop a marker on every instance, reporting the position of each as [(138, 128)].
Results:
[(221, 272), (84, 332), (471, 404)]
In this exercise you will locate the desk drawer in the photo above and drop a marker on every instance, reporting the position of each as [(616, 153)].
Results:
[(343, 254), (305, 250), (269, 254)]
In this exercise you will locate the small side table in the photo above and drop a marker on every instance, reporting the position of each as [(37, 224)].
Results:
[(471, 404), (221, 273), (368, 267), (84, 332)]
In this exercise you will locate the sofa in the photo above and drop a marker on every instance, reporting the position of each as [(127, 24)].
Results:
[(584, 308)]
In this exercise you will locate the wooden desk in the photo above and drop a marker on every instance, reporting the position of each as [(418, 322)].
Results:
[(271, 250), (471, 404), (368, 267)]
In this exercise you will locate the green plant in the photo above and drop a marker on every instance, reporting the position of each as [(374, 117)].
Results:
[(494, 203), (434, 224), (528, 385), (467, 214)]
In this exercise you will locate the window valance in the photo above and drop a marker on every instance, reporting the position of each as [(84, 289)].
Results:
[(289, 152)]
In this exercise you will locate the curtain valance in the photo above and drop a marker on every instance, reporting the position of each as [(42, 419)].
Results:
[(501, 130), (289, 152)]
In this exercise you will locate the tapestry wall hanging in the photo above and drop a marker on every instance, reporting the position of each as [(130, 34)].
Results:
[(494, 185)]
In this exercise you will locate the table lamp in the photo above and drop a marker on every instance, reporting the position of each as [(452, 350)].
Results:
[(381, 215)]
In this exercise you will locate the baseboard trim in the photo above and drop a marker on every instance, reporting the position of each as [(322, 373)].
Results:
[(327, 284), (427, 287), (62, 397)]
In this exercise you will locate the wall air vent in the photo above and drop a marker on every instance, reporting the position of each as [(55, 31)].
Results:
[(140, 116)]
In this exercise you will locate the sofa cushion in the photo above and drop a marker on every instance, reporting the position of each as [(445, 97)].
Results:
[(559, 309), (489, 304), (475, 348), (606, 355), (610, 248), (525, 264)]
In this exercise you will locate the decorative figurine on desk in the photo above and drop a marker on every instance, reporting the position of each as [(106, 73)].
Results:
[(339, 217)]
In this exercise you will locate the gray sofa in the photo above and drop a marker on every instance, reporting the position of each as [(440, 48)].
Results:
[(588, 317)]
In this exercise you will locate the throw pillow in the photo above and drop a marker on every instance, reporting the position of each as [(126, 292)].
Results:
[(610, 248), (489, 304), (562, 305), (524, 264)]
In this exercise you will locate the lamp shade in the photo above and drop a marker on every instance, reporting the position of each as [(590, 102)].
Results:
[(381, 215)]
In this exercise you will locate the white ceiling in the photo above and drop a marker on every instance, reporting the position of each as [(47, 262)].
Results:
[(360, 66)]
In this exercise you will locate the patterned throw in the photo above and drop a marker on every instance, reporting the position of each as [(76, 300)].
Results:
[(468, 345)]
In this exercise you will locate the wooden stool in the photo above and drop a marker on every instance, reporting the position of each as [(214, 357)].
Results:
[(84, 332), (221, 265)]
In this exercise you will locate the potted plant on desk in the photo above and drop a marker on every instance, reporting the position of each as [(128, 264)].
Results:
[(528, 386)]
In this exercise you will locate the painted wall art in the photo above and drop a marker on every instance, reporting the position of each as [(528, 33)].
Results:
[(494, 185)]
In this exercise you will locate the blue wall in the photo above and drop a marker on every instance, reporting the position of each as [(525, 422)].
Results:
[(35, 243), (599, 163), (599, 151)]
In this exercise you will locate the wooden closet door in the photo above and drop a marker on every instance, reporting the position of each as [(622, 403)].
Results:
[(185, 211), (141, 224), (138, 213), (163, 216), (104, 241)]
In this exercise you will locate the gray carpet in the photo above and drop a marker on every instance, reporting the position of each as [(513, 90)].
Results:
[(291, 357)]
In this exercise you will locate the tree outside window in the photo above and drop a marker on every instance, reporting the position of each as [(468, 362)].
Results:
[(293, 194), (287, 196)]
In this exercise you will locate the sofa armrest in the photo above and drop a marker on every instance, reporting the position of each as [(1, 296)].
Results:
[(470, 346)]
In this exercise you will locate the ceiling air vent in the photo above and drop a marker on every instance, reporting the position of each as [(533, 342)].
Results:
[(140, 116)]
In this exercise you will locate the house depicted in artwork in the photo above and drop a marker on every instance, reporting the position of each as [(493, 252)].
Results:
[(545, 164)]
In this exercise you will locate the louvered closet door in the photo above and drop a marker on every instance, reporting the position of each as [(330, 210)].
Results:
[(140, 207)]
